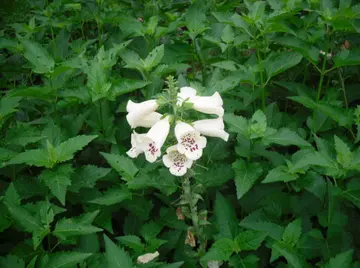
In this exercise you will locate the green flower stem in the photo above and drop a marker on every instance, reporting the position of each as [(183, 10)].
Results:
[(200, 58), (262, 86), (191, 200), (342, 87)]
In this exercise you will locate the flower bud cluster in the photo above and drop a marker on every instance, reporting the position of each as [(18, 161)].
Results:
[(190, 137)]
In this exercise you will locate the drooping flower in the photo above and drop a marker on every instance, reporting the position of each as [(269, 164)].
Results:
[(155, 139), (176, 162), (205, 104), (190, 143), (148, 257), (138, 111), (184, 94), (136, 147), (212, 128), (148, 120)]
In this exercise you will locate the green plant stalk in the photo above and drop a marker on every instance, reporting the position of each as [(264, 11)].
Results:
[(263, 93), (53, 37), (342, 86), (200, 58), (188, 198), (322, 74)]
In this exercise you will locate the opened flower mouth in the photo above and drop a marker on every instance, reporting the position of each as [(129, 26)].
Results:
[(190, 143), (176, 162)]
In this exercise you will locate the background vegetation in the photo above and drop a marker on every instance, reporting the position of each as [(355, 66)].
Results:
[(283, 192)]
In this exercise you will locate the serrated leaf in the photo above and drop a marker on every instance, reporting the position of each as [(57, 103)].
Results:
[(116, 256), (342, 260), (23, 217), (87, 176), (162, 180), (66, 259), (36, 157), (258, 221), (11, 195), (150, 230), (277, 63), (285, 137), (225, 218), (11, 261), (132, 241), (245, 176), (347, 57), (38, 236), (154, 58), (195, 18), (292, 233), (66, 150), (121, 164), (221, 250), (343, 154), (74, 227), (280, 173), (122, 86), (112, 196), (237, 124), (38, 56), (292, 257), (58, 181), (249, 240)]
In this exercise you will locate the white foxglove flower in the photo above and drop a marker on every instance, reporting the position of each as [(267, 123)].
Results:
[(148, 120), (136, 111), (205, 104), (176, 162), (155, 139), (212, 128), (190, 143), (208, 104), (184, 94), (148, 257), (136, 148)]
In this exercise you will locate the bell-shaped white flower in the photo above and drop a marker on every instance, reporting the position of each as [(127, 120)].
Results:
[(190, 143), (208, 104), (176, 162), (136, 111), (148, 257), (136, 147), (184, 94), (212, 128), (147, 120), (155, 139)]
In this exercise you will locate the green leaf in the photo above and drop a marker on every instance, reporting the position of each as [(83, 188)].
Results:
[(237, 124), (221, 250), (11, 195), (66, 150), (123, 85), (292, 257), (116, 256), (23, 217), (228, 34), (11, 261), (226, 65), (162, 180), (308, 51), (280, 173), (352, 192), (154, 58), (66, 259), (292, 233), (343, 154), (132, 241), (58, 181), (249, 240), (76, 226), (38, 56), (89, 243), (123, 165), (87, 176), (112, 196), (258, 125), (8, 105), (342, 260), (36, 157), (347, 57), (258, 221), (225, 218), (195, 18), (132, 60), (38, 236), (285, 137), (245, 176), (277, 63)]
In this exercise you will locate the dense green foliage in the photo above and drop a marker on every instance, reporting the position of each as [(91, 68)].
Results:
[(283, 192)]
